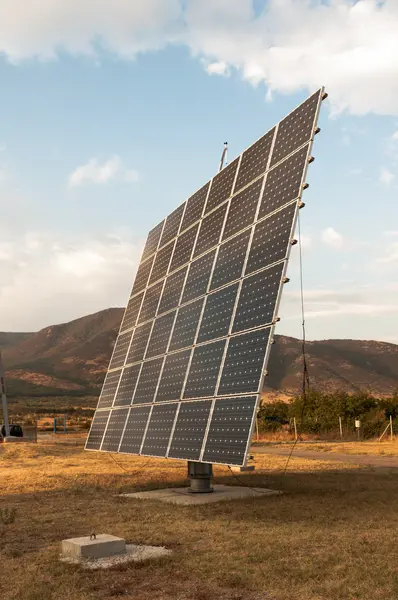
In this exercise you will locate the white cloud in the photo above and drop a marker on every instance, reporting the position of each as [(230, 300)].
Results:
[(391, 256), (395, 136), (306, 241), (94, 172), (386, 176), (351, 47), (362, 300), (47, 279), (217, 68), (333, 238)]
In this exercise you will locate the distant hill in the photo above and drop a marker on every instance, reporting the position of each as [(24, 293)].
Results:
[(10, 339), (349, 365), (72, 358), (67, 358)]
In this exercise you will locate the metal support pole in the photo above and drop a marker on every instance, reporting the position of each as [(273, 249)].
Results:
[(200, 475), (256, 428), (341, 428), (4, 400), (55, 425), (391, 429), (295, 428), (223, 156)]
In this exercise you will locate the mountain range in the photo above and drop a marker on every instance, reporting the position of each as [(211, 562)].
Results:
[(72, 358)]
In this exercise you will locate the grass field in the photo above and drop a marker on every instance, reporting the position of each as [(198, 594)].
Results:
[(367, 447), (331, 536)]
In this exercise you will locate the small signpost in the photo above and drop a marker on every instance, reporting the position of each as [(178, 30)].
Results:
[(358, 428)]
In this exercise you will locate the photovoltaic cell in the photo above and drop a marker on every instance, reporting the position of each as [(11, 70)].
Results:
[(161, 264), (184, 246), (296, 129), (204, 369), (109, 389), (217, 315), (210, 230), (229, 430), (120, 351), (186, 374), (195, 205), (254, 160), (257, 300), (221, 186), (242, 210), (150, 303), (172, 225), (189, 430), (243, 365), (230, 260), (198, 277), (148, 381), (139, 342), (186, 325), (160, 335), (152, 240), (271, 239), (114, 430), (127, 385), (131, 314), (159, 429), (141, 279), (135, 429), (96, 434), (173, 376), (172, 291), (283, 183)]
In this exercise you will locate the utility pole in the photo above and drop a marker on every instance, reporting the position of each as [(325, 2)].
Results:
[(4, 399)]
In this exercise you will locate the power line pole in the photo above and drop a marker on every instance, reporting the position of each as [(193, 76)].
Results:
[(4, 399)]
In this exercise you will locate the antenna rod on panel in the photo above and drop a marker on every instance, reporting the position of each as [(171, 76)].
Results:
[(224, 156), (4, 400)]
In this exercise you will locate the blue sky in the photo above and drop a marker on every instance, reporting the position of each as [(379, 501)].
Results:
[(110, 118)]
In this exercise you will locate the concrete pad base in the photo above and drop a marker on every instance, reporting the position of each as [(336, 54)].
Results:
[(133, 553), (221, 492), (100, 546), (243, 469), (10, 439)]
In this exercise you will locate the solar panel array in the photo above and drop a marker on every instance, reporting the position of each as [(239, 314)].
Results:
[(187, 369)]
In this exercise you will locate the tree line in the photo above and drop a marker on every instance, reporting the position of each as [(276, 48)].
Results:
[(319, 412)]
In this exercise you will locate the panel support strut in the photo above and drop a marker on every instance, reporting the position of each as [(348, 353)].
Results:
[(200, 475)]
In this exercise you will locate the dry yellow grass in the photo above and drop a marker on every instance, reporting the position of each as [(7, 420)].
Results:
[(370, 448), (329, 537)]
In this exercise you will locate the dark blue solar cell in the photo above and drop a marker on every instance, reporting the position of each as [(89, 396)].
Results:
[(229, 430), (257, 299), (114, 429), (271, 239), (189, 430), (198, 277), (204, 370), (217, 315), (186, 325), (159, 429), (230, 260), (243, 366)]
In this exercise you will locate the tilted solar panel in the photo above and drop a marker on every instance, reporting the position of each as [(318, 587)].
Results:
[(187, 369)]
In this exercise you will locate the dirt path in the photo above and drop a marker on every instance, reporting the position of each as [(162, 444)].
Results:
[(357, 459)]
